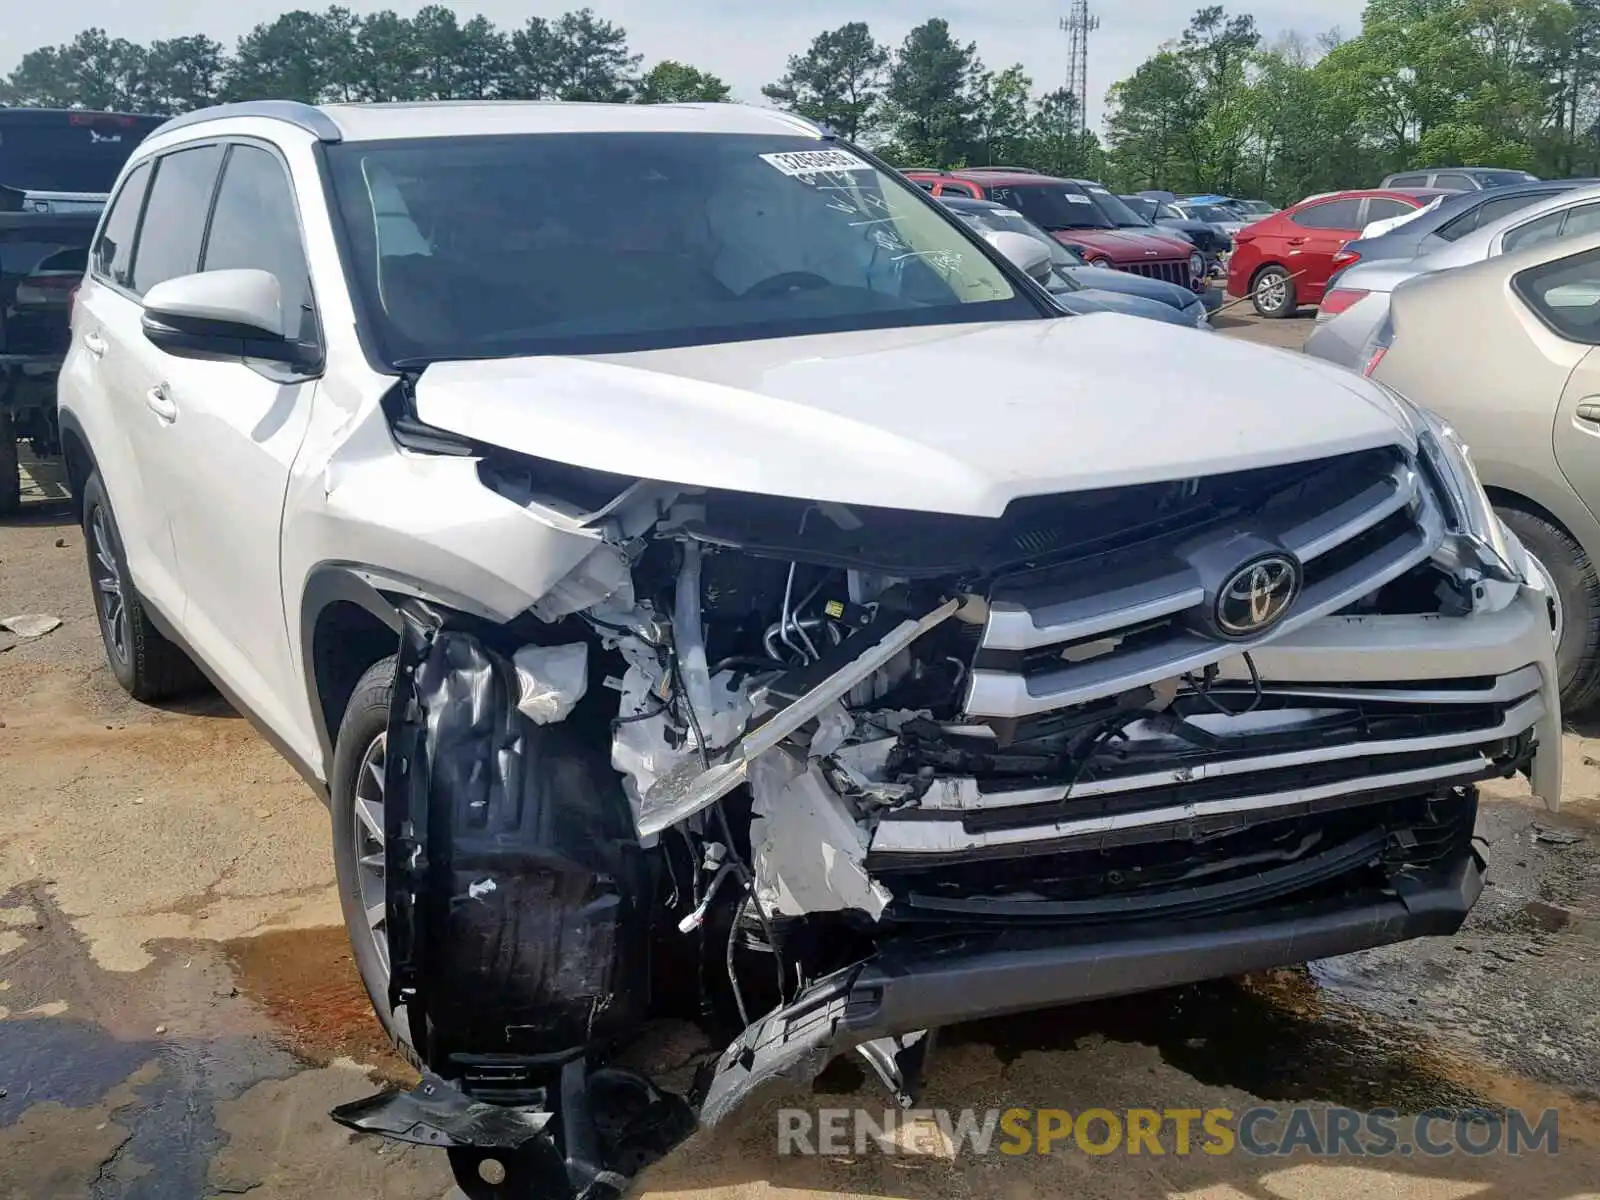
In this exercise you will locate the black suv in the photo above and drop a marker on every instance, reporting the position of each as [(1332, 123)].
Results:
[(56, 168)]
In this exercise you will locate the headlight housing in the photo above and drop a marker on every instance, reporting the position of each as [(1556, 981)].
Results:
[(1469, 514), (1197, 264)]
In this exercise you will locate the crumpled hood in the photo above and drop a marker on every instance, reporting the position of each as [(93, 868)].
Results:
[(951, 418)]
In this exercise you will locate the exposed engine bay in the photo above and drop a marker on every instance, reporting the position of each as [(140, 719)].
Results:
[(755, 760)]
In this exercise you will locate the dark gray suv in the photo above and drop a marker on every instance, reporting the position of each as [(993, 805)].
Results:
[(1458, 179)]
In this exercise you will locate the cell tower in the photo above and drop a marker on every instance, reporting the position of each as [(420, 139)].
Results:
[(1078, 25)]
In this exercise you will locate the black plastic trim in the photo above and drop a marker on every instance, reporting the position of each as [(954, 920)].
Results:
[(332, 583)]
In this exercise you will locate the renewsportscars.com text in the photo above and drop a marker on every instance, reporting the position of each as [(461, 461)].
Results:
[(1260, 1131)]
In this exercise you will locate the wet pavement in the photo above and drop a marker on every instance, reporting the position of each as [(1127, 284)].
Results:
[(179, 1011)]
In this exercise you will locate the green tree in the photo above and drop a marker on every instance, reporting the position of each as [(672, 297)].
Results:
[(838, 80), (299, 55), (1004, 102), (577, 56), (671, 82), (934, 97), (184, 73), (1152, 125), (1057, 143), (41, 80), (389, 59)]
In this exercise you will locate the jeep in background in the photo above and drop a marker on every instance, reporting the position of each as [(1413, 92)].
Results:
[(1066, 210), (56, 169)]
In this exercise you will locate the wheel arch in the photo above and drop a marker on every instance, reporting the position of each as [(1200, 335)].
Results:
[(346, 625), (78, 456), (1264, 266)]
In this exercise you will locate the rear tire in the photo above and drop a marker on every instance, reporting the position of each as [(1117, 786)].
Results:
[(1577, 587), (10, 467), (358, 751), (145, 663), (1273, 293)]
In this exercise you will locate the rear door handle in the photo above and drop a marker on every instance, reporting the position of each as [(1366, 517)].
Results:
[(94, 344), (160, 401), (1589, 410)]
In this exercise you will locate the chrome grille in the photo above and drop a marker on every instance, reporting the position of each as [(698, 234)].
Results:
[(1305, 749), (1103, 625)]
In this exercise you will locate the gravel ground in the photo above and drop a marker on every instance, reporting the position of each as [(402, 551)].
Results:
[(178, 1010)]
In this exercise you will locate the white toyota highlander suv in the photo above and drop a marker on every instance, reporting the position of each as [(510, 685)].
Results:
[(705, 580)]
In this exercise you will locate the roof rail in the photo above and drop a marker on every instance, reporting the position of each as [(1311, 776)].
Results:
[(999, 170), (303, 116)]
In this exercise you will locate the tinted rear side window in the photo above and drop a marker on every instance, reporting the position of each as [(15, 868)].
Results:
[(67, 151), (1381, 208), (1486, 213), (1543, 229), (175, 216), (1566, 295), (1455, 182), (113, 249), (1407, 181), (1335, 214)]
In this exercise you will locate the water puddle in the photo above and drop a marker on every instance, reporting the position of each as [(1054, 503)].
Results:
[(306, 984)]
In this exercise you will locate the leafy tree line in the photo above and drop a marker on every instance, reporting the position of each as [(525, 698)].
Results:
[(931, 101), (335, 55), (1511, 83)]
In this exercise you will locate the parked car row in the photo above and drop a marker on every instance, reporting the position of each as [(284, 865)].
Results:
[(710, 579), (1487, 309)]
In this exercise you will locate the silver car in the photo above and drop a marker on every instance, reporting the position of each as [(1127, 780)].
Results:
[(1355, 308), (1508, 352)]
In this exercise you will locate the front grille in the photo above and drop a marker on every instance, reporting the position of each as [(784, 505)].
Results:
[(1168, 272), (1193, 774), (1103, 624)]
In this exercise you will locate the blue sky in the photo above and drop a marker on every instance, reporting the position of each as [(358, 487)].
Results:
[(744, 41)]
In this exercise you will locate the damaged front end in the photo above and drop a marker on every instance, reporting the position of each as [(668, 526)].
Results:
[(823, 779)]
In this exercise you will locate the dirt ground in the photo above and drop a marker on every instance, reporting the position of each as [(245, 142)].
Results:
[(178, 1010)]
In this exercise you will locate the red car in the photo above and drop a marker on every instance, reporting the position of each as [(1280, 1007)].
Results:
[(1065, 208), (1284, 260)]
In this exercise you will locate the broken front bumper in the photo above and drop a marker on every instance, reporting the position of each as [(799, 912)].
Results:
[(929, 983)]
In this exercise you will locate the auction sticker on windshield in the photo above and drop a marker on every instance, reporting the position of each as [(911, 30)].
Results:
[(812, 162)]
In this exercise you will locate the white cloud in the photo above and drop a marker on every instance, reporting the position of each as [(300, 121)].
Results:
[(744, 41)]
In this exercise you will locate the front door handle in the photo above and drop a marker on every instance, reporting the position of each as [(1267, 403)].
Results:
[(160, 401), (94, 344), (1589, 410)]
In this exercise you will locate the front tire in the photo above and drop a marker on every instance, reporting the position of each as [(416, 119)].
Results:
[(1577, 587), (1273, 294), (145, 663), (356, 804)]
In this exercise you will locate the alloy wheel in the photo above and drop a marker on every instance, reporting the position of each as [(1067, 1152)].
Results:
[(1272, 293), (371, 882), (109, 598)]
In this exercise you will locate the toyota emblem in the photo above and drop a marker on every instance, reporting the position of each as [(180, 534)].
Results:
[(1256, 596)]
